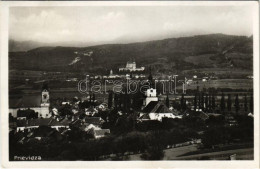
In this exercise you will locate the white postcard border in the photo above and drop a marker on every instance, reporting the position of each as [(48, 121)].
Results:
[(4, 13)]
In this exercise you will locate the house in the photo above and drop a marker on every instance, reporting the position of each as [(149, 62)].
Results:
[(89, 127), (202, 115), (101, 133), (97, 121), (190, 81), (102, 106), (157, 110), (64, 103), (35, 123), (251, 115), (91, 111), (230, 120), (55, 111), (76, 123)]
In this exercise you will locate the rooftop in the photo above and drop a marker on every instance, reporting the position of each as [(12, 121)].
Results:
[(94, 120), (101, 132), (42, 122), (158, 107)]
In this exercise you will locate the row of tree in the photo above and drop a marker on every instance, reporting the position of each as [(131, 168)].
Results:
[(72, 146), (207, 102), (124, 101)]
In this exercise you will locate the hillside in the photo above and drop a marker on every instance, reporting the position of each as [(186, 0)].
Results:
[(19, 46), (165, 56)]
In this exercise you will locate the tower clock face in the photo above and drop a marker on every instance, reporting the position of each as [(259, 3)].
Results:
[(45, 96)]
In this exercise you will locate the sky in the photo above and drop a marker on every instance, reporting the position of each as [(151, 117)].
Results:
[(115, 24)]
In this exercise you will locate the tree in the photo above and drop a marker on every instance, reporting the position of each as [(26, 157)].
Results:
[(155, 144), (251, 104), (213, 136), (93, 97), (11, 118), (167, 101), (237, 104), (90, 98), (222, 102), (213, 102), (116, 101), (245, 104), (210, 102), (150, 78), (183, 103), (127, 101), (195, 102), (153, 153), (207, 102), (229, 103), (202, 101), (137, 100), (199, 104), (110, 99)]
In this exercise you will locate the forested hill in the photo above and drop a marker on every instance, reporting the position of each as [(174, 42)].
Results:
[(165, 56)]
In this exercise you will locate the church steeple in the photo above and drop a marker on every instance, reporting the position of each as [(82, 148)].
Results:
[(45, 93), (45, 86)]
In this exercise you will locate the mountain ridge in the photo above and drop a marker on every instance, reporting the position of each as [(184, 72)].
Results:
[(166, 55)]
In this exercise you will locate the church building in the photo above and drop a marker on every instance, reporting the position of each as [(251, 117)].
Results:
[(131, 66), (39, 103), (155, 109)]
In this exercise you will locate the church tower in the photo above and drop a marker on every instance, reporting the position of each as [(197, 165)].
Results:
[(45, 102), (150, 96), (45, 94)]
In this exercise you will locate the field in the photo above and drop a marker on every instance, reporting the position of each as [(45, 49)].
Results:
[(224, 83), (175, 154), (202, 60)]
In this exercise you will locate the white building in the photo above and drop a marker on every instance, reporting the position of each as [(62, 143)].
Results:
[(111, 75), (150, 96), (156, 110), (131, 66)]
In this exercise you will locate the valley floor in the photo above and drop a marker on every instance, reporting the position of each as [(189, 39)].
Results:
[(175, 154)]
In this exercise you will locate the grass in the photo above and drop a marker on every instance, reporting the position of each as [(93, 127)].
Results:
[(224, 148)]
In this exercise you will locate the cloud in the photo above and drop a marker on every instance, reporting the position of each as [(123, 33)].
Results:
[(112, 16), (168, 26), (99, 24)]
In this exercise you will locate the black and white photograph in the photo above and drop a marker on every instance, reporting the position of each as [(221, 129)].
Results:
[(144, 82)]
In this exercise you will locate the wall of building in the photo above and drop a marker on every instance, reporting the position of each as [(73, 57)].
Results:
[(149, 99), (150, 93), (42, 111)]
